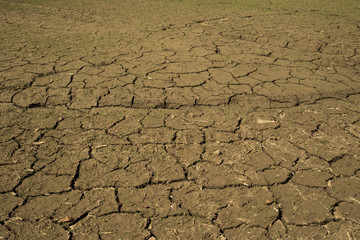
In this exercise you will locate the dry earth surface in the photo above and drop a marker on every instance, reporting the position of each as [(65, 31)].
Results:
[(179, 119)]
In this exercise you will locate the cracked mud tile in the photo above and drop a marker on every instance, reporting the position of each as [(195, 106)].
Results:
[(61, 79), (43, 229), (7, 94), (16, 155), (252, 210), (269, 74), (112, 70), (68, 65), (328, 89), (246, 154), (276, 230), (9, 133), (239, 89), (218, 60), (227, 120), (228, 207), (346, 166), (208, 95), (228, 153), (34, 96), (186, 155), (103, 59), (111, 226), (8, 203), (184, 227), (153, 135), (8, 149), (117, 156), (11, 175), (353, 106), (131, 124), (149, 98), (42, 183), (241, 70), (200, 51), (246, 232), (85, 98), (102, 118), (186, 119), (5, 233), (214, 136), (95, 81), (252, 58), (153, 82), (18, 81), (302, 205), (221, 77), (179, 97), (151, 201), (78, 81), (345, 81), (120, 156), (248, 102), (10, 115), (84, 72), (165, 169), (58, 97), (190, 136), (40, 118), (153, 57), (306, 232), (342, 230), (73, 204), (354, 129), (259, 121), (191, 79), (31, 137), (76, 136), (96, 174), (155, 118), (143, 68), (64, 162), (119, 96), (331, 146), (312, 163), (345, 188), (348, 211), (161, 80), (47, 150), (295, 93), (190, 65), (269, 176), (218, 176), (311, 178), (283, 152), (162, 166)]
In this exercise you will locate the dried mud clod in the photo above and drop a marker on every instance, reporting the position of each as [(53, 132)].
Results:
[(230, 124)]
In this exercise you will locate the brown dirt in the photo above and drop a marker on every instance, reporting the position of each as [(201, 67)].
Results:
[(179, 120)]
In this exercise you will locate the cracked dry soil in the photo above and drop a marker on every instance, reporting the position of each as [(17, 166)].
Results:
[(173, 120)]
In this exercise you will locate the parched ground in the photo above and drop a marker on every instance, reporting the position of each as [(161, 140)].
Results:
[(170, 119)]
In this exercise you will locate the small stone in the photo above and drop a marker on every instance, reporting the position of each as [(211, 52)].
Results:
[(65, 219), (264, 121), (217, 152), (268, 202)]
